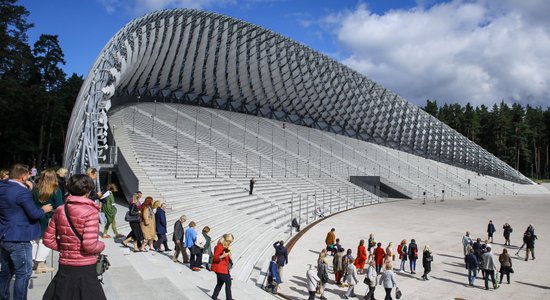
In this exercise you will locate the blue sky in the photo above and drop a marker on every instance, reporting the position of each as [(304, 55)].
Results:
[(451, 51)]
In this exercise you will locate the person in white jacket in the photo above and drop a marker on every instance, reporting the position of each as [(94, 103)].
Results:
[(312, 281), (388, 280), (370, 280), (351, 279)]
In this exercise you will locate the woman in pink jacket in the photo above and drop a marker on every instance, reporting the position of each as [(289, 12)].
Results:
[(76, 277)]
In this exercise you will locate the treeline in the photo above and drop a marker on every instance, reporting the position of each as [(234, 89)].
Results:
[(518, 135), (36, 97)]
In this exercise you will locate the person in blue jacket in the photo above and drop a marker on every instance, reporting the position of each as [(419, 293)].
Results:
[(471, 265), (160, 221), (273, 277), (19, 224), (190, 239)]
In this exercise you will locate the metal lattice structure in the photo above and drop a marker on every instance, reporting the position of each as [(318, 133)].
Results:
[(207, 59)]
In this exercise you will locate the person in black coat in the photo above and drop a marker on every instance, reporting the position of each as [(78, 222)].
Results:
[(252, 182), (471, 265), (506, 231), (282, 256), (529, 239), (490, 230), (160, 222), (427, 259)]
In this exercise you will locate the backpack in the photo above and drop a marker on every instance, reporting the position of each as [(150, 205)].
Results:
[(399, 250), (200, 241)]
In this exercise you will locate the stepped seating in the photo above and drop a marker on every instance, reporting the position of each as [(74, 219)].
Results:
[(200, 161)]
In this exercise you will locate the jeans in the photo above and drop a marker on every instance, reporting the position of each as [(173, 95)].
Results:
[(388, 294), (472, 273), (311, 295), (196, 257), (532, 250), (224, 279), (492, 274), (161, 240), (16, 259), (403, 264), (412, 264)]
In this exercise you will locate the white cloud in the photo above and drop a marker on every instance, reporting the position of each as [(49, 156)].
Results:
[(139, 7), (478, 51)]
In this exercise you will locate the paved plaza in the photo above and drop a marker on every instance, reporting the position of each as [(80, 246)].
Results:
[(441, 225)]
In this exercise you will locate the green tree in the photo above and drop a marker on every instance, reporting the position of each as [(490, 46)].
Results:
[(15, 54), (431, 108)]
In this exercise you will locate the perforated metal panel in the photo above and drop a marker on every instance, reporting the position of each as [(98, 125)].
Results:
[(207, 59)]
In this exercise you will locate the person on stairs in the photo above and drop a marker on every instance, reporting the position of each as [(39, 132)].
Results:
[(179, 237)]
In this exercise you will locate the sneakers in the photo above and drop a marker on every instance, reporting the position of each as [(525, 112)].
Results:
[(41, 267), (106, 236), (174, 259)]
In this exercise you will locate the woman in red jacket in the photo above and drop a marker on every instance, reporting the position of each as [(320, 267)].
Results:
[(379, 255), (76, 277), (220, 265), (361, 257)]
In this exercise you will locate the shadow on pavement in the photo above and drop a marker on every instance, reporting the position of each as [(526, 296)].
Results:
[(450, 281), (535, 285), (451, 256)]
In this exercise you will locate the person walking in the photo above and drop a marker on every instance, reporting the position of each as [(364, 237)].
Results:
[(282, 256), (390, 255), (135, 234), (178, 237), (160, 226), (472, 265), (330, 240), (220, 265), (427, 259), (322, 273), (351, 279), (371, 243), (530, 238), (529, 231), (110, 210), (61, 174), (403, 254), (413, 255), (19, 225), (379, 256), (252, 182), (148, 224), (312, 280), (273, 277), (506, 231), (466, 242), (190, 238), (338, 266), (489, 268), (45, 192), (490, 230), (73, 232), (207, 247), (388, 280), (505, 265), (361, 257), (370, 280)]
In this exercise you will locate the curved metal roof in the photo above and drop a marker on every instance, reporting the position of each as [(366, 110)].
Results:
[(207, 59)]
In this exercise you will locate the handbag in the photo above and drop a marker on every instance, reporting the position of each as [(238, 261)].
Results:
[(511, 270), (102, 263), (131, 218), (398, 293)]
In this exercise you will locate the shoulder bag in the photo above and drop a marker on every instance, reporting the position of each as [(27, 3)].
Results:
[(102, 264)]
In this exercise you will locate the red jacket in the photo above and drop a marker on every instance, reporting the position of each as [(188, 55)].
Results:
[(59, 235), (379, 255), (220, 266)]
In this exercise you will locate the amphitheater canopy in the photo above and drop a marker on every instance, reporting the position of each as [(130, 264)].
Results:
[(207, 59)]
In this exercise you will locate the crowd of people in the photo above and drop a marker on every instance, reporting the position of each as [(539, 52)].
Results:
[(46, 211)]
